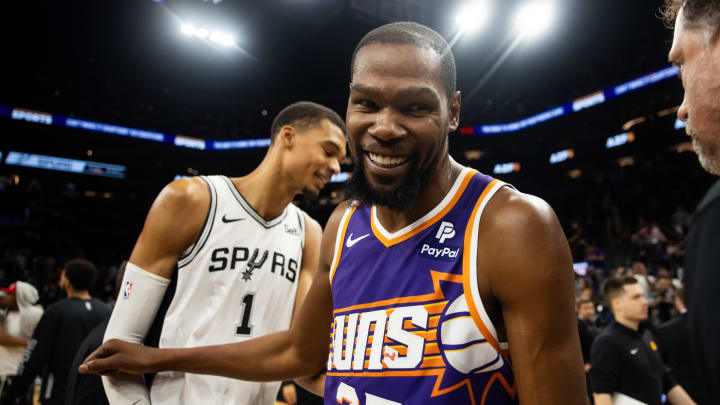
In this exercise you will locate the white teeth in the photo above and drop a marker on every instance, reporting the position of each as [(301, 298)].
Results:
[(386, 160)]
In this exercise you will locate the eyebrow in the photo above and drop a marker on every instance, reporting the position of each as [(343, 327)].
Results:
[(408, 92), (332, 144)]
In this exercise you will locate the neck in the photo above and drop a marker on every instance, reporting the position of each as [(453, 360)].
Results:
[(268, 189), (436, 188), (83, 295), (634, 325)]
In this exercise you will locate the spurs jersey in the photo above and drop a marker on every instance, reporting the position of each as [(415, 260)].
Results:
[(237, 282), (409, 325)]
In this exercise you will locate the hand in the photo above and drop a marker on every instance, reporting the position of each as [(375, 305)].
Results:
[(118, 356), (289, 394)]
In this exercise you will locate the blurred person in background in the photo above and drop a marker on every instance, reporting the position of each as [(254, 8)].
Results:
[(624, 357), (59, 334), (640, 273), (587, 328), (675, 351), (663, 300), (696, 51), (18, 317), (87, 389)]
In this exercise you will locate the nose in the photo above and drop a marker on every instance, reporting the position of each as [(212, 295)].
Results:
[(683, 112), (334, 166), (385, 127)]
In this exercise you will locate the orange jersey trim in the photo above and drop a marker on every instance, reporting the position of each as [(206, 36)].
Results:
[(403, 237), (466, 271), (339, 246), (436, 295)]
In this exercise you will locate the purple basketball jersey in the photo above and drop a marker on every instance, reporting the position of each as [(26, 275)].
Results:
[(408, 323)]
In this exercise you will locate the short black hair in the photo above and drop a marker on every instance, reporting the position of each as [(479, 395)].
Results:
[(615, 287), (411, 33), (302, 115), (81, 274)]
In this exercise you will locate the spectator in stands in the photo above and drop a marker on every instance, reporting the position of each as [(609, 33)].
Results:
[(624, 357), (587, 328), (639, 271), (59, 334), (18, 318), (663, 297)]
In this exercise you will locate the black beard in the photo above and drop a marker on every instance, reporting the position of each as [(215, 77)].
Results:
[(398, 199)]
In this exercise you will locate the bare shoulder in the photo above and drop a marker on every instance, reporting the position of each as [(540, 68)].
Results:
[(333, 223), (511, 211), (313, 228), (523, 244), (185, 194)]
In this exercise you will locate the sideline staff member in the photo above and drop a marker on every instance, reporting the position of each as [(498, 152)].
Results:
[(624, 357)]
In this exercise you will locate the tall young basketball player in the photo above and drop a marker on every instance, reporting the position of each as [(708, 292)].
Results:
[(244, 257), (437, 285)]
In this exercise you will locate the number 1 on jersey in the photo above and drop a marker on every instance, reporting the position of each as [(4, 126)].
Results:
[(245, 328)]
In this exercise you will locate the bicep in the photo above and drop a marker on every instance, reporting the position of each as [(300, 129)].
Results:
[(532, 279), (310, 331), (310, 262), (172, 225)]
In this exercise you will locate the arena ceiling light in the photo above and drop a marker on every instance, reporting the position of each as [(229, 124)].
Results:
[(473, 15), (217, 37), (534, 18)]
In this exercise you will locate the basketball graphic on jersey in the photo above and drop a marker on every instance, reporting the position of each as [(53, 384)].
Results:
[(462, 345)]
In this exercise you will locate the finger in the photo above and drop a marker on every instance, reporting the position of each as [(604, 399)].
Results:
[(98, 353), (96, 366)]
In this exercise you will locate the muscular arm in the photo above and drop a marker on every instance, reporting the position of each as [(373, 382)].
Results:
[(308, 272), (162, 241), (526, 256), (298, 352)]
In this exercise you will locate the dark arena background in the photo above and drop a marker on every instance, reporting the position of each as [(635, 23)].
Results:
[(105, 102)]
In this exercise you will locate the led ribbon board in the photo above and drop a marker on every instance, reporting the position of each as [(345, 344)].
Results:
[(65, 164), (576, 105), (591, 100)]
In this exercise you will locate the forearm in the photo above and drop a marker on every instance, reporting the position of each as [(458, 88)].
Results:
[(314, 384), (602, 399), (11, 341), (678, 396), (269, 358)]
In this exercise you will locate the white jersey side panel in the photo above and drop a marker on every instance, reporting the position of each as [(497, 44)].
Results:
[(236, 283)]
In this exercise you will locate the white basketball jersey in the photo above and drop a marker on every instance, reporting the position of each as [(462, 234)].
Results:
[(237, 282)]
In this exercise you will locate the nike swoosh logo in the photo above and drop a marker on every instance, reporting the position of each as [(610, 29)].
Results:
[(227, 221), (351, 241)]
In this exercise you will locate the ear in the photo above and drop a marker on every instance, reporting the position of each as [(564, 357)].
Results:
[(287, 135), (454, 112)]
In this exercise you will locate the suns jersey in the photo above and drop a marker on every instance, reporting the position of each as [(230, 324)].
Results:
[(408, 323), (237, 282)]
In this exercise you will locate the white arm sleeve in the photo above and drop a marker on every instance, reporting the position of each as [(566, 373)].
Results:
[(137, 304)]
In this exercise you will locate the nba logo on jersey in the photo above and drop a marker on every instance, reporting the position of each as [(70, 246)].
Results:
[(126, 290)]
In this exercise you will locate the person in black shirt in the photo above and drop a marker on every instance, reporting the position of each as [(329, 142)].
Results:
[(675, 351), (624, 357), (587, 328), (59, 333), (696, 50)]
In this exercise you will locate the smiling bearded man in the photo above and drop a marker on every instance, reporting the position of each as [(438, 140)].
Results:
[(431, 279)]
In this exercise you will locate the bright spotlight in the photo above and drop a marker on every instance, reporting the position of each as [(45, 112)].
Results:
[(222, 39), (187, 29), (201, 33), (473, 15), (535, 18)]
